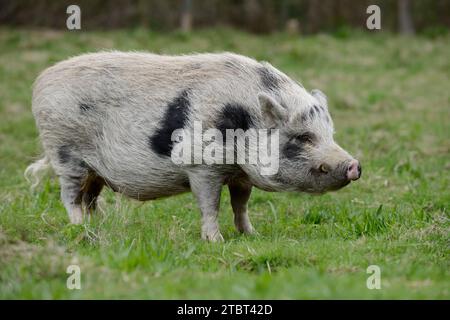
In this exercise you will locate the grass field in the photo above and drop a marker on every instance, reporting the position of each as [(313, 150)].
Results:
[(390, 100)]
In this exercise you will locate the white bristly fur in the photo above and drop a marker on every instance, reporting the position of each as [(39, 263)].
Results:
[(36, 171)]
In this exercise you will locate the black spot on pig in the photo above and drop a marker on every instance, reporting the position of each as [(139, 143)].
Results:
[(186, 184), (175, 118), (73, 177), (64, 154), (295, 146), (304, 117), (292, 150), (85, 107), (68, 155), (229, 64), (82, 164), (269, 80), (234, 116), (316, 108)]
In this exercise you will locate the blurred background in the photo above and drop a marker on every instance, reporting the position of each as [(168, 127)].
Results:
[(257, 16)]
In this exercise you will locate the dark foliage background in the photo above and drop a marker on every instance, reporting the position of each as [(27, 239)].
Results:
[(259, 16)]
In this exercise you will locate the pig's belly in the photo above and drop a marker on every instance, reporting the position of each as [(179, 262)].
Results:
[(145, 183), (151, 190)]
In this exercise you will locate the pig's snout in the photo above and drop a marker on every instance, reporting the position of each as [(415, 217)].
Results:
[(354, 170)]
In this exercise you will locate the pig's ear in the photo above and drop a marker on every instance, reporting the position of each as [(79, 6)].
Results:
[(319, 95), (273, 112)]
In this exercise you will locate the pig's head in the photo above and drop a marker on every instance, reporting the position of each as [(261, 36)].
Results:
[(309, 158)]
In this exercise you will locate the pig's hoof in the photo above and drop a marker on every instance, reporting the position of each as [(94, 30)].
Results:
[(250, 230), (246, 229), (213, 237), (76, 220), (76, 217)]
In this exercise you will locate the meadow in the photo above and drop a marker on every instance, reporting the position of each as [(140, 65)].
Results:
[(390, 100)]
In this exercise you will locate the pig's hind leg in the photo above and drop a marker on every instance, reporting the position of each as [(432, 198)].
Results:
[(73, 174), (71, 196), (91, 190), (239, 195)]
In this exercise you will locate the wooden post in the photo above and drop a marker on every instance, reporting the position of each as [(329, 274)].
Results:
[(186, 16), (405, 22)]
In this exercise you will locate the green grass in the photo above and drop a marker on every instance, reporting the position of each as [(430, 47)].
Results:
[(390, 100)]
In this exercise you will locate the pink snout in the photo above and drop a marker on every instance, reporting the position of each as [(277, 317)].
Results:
[(354, 170)]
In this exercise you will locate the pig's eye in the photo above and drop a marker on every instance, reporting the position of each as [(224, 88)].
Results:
[(324, 168), (304, 138)]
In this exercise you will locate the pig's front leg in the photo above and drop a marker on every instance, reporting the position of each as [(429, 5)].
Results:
[(207, 188), (239, 197)]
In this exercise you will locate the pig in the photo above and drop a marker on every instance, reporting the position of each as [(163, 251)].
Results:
[(107, 119)]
